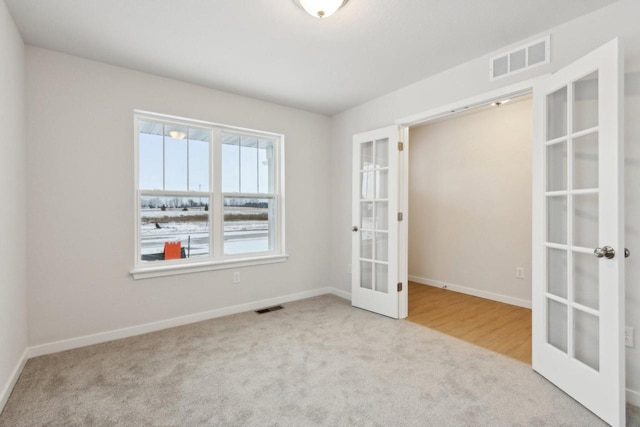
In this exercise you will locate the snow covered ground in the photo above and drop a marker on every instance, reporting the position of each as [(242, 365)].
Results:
[(191, 228)]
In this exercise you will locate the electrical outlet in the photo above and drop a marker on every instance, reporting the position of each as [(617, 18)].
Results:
[(236, 277), (349, 268), (628, 336), (519, 272)]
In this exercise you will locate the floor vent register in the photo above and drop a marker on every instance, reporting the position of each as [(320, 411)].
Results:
[(270, 309)]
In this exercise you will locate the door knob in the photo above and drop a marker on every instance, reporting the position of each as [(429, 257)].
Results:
[(627, 253), (605, 252), (354, 228)]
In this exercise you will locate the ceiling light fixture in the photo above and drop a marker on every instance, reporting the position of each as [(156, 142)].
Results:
[(177, 134), (499, 103), (321, 8)]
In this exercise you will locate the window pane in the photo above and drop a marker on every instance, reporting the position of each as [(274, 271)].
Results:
[(557, 219), (265, 166), (382, 153), (587, 338), (248, 164), (230, 163), (557, 114), (175, 158), (366, 155), (557, 324), (199, 162), (248, 225), (382, 278), (557, 166), (150, 155), (366, 244), (366, 274), (367, 183), (174, 219), (382, 184), (366, 215), (586, 280), (382, 216), (382, 246), (585, 162), (557, 272), (586, 220), (585, 102)]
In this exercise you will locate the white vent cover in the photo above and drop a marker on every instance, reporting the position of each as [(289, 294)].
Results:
[(522, 58)]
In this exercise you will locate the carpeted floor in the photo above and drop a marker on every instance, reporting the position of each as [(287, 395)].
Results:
[(317, 362)]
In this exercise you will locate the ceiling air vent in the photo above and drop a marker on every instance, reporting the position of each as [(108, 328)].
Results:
[(522, 58)]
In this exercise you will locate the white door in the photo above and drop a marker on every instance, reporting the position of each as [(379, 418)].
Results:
[(374, 283), (578, 240)]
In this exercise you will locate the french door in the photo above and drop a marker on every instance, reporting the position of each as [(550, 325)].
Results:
[(375, 217), (578, 232)]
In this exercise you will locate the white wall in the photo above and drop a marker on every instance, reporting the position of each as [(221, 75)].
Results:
[(470, 201), (632, 217), (569, 42), (81, 200), (13, 286)]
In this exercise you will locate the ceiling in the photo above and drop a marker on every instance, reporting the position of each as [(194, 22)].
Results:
[(273, 50)]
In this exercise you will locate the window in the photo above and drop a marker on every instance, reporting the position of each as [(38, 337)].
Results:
[(248, 192), (207, 196)]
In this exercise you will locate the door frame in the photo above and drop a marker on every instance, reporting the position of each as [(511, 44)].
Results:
[(511, 91)]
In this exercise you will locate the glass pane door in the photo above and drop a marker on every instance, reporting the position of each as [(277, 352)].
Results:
[(572, 208), (374, 217), (375, 204), (578, 261)]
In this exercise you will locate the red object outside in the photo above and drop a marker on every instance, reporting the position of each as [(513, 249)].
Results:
[(172, 250)]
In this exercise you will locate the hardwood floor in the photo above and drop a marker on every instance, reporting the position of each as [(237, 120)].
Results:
[(496, 326)]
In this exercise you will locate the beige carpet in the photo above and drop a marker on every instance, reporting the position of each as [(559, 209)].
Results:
[(317, 362)]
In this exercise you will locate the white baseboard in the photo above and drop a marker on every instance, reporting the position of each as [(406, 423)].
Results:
[(633, 397), (69, 344), (340, 293), (13, 379), (470, 291)]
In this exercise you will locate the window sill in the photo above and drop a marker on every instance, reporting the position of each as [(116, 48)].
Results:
[(172, 270)]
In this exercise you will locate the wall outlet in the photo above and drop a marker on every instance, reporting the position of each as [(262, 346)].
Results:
[(236, 277), (349, 268), (628, 336), (519, 272)]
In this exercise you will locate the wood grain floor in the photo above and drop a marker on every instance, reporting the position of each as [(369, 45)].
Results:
[(499, 327)]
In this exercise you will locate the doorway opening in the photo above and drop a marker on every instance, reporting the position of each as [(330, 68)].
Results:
[(469, 229)]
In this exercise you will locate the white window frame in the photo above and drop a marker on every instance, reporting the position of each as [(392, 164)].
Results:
[(216, 260)]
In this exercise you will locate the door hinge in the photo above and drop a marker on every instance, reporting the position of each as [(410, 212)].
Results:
[(399, 286), (400, 146), (400, 216)]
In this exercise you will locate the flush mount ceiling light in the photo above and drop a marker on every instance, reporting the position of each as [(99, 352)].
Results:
[(321, 8)]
